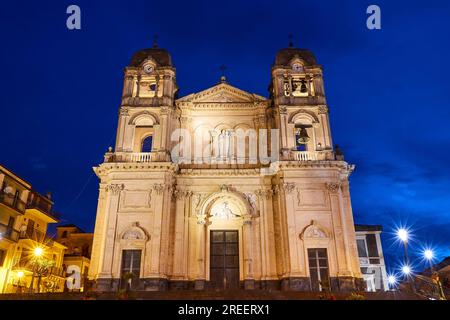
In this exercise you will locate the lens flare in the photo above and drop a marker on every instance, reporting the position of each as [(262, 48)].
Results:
[(428, 254), (392, 280), (402, 234), (406, 269)]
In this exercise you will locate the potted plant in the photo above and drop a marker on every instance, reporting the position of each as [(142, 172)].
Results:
[(355, 296)]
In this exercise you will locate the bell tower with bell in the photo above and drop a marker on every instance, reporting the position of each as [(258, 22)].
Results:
[(300, 109), (312, 178), (147, 111)]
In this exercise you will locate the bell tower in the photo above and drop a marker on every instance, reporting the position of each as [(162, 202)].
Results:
[(300, 109), (147, 107)]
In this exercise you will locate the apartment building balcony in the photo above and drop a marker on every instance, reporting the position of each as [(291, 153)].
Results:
[(36, 235), (26, 265), (12, 201), (7, 232), (43, 206)]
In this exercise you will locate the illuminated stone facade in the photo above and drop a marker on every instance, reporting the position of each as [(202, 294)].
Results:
[(221, 218)]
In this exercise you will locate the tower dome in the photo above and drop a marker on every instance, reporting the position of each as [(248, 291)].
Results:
[(285, 56), (160, 56)]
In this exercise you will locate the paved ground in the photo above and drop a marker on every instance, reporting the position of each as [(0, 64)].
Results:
[(211, 295)]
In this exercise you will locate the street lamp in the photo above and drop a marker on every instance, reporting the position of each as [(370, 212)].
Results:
[(428, 254), (402, 234), (392, 281), (406, 270), (37, 252)]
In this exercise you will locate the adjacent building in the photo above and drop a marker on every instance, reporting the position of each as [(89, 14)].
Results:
[(24, 244), (223, 188), (78, 252), (371, 258)]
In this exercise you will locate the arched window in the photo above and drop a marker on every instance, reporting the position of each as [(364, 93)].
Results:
[(147, 144)]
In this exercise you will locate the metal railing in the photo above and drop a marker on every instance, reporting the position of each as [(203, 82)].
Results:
[(36, 235), (12, 201), (428, 287), (8, 232), (42, 204)]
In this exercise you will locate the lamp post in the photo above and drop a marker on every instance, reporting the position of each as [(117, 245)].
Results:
[(403, 235), (19, 283), (37, 253), (429, 255)]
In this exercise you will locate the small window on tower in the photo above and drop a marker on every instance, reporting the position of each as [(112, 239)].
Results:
[(152, 87), (147, 144)]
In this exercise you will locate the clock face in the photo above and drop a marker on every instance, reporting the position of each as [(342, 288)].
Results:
[(148, 68), (297, 67)]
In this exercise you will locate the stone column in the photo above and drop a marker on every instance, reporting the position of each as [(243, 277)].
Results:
[(323, 114), (124, 117), (99, 235), (134, 86), (284, 131), (345, 276), (164, 113), (179, 257), (200, 280), (156, 232), (267, 236), (111, 209), (249, 280), (127, 86)]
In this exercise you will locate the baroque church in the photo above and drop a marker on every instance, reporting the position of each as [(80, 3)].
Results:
[(186, 203)]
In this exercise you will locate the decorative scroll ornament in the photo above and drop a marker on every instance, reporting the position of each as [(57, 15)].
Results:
[(251, 199), (115, 188), (124, 112), (159, 188), (265, 193), (323, 109), (288, 187), (225, 188), (333, 187)]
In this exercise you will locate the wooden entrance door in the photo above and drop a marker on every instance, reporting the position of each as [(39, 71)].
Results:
[(224, 259)]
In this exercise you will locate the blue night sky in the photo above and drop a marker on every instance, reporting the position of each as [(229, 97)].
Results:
[(388, 92)]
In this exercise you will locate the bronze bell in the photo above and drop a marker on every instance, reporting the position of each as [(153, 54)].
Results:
[(303, 88), (303, 137)]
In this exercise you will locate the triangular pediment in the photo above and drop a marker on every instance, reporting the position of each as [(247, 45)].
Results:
[(222, 93)]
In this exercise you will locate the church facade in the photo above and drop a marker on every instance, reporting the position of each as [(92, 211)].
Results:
[(224, 189)]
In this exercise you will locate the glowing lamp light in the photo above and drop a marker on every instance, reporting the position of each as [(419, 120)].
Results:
[(392, 280), (406, 270), (428, 254), (38, 251), (20, 274), (402, 234)]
